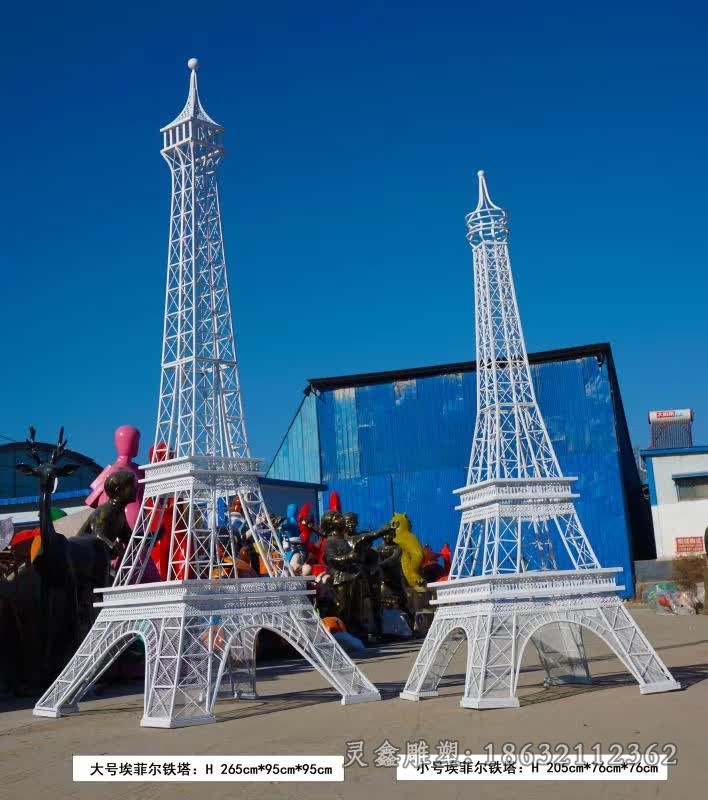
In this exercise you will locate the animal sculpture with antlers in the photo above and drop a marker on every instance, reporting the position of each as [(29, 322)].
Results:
[(50, 558), (52, 545), (69, 569)]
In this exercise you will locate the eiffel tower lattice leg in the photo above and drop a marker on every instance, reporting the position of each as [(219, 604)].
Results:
[(442, 642), (303, 629), (491, 661), (610, 620), (106, 640), (498, 635), (561, 651), (634, 649), (240, 664), (182, 682)]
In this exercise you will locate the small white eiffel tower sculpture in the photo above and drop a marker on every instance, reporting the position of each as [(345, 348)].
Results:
[(202, 620), (518, 515)]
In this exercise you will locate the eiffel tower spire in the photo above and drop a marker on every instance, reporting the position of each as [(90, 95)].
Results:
[(201, 623), (201, 409), (522, 561), (513, 464)]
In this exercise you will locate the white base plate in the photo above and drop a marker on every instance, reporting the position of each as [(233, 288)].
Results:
[(490, 702), (351, 699), (661, 686), (161, 722), (64, 711), (415, 696)]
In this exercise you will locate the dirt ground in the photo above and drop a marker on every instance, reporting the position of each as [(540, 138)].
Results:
[(297, 714)]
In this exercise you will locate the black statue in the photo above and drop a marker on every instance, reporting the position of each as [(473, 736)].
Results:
[(348, 578), (19, 629), (392, 578), (69, 569), (108, 522), (102, 537), (57, 588), (362, 543)]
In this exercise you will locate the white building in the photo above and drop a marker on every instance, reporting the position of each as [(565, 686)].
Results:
[(678, 490)]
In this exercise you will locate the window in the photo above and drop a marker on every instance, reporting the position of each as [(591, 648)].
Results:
[(693, 488)]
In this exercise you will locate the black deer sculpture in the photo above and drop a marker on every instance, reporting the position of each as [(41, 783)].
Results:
[(69, 569)]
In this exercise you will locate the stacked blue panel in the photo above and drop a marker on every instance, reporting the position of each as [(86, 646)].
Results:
[(298, 457), (403, 446)]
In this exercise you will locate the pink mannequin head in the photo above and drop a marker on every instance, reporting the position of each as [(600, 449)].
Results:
[(127, 439)]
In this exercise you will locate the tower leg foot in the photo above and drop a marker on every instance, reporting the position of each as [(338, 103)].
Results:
[(166, 722), (245, 695), (55, 713), (489, 702), (364, 697), (415, 696), (659, 686)]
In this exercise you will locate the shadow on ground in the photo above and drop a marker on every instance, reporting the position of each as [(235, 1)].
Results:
[(229, 709)]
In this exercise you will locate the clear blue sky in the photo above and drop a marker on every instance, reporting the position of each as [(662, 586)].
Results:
[(354, 132)]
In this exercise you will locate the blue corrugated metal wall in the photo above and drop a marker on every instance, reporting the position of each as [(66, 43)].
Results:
[(404, 446), (299, 453)]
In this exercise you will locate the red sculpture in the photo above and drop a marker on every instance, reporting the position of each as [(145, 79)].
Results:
[(313, 540), (160, 554)]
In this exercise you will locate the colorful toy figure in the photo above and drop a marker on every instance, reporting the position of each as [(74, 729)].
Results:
[(446, 555), (432, 568), (289, 530), (127, 439), (314, 542), (412, 550), (237, 520)]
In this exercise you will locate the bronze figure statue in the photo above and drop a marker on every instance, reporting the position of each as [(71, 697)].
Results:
[(393, 581), (362, 543), (102, 538), (348, 578)]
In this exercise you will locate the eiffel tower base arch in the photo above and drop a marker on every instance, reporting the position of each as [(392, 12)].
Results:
[(195, 633), (500, 615)]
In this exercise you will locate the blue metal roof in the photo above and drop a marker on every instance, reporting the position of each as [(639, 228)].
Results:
[(673, 451), (34, 499), (298, 457), (402, 445)]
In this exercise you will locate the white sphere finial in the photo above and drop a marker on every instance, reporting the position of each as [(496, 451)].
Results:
[(193, 63), (480, 173)]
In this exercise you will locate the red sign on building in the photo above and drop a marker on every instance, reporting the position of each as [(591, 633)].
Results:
[(689, 544)]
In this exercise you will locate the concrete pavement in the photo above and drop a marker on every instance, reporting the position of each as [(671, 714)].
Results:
[(297, 714)]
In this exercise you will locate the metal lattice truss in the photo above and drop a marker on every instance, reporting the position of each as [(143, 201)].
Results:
[(200, 409), (518, 516), (517, 505), (201, 644), (201, 465), (508, 538), (510, 437), (497, 634), (201, 543)]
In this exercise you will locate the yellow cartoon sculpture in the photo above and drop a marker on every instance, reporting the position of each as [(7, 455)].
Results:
[(412, 559)]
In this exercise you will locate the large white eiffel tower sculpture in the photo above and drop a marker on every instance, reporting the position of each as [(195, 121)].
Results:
[(201, 624), (518, 515)]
